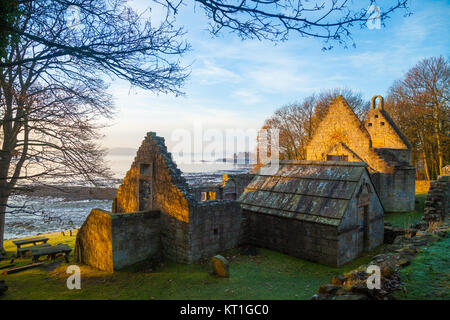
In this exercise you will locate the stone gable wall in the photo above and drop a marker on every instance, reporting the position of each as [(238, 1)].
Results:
[(383, 136), (340, 125)]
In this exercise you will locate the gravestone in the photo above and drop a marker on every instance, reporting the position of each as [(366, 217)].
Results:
[(220, 266)]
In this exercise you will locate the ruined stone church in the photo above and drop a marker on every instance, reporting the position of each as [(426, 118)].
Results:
[(329, 209), (378, 142)]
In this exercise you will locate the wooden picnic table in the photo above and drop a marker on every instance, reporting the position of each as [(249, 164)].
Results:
[(33, 241), (51, 252)]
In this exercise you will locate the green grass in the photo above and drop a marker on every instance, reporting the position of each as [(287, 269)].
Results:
[(428, 276), (407, 219), (269, 275)]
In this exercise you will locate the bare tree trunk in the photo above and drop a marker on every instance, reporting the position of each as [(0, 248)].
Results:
[(425, 163), (2, 225), (438, 140)]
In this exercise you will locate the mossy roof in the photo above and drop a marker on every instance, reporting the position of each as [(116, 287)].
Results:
[(315, 191)]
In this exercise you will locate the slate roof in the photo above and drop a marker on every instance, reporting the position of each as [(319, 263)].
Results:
[(315, 191)]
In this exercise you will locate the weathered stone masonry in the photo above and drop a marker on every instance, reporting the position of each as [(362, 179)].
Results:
[(327, 212), (378, 142), (110, 241), (156, 213), (186, 229), (437, 204)]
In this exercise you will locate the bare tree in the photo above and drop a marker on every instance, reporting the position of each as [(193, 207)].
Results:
[(330, 21), (296, 122), (420, 103), (53, 99), (276, 20)]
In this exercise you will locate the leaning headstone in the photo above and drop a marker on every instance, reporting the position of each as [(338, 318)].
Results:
[(220, 266)]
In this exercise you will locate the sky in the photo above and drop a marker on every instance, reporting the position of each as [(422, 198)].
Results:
[(236, 85)]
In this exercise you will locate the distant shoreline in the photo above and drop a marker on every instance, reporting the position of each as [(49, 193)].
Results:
[(73, 193)]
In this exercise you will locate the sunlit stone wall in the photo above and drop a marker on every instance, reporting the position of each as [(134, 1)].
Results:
[(110, 242), (377, 142)]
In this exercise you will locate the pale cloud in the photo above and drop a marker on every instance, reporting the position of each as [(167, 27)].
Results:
[(210, 73), (247, 96)]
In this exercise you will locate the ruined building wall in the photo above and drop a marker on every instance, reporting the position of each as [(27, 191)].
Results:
[(378, 142), (341, 126), (110, 242), (382, 130), (215, 227), (135, 237), (351, 242), (93, 245), (297, 238), (155, 183), (396, 190), (184, 222)]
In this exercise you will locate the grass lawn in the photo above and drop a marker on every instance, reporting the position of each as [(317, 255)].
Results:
[(406, 219), (269, 275), (428, 276)]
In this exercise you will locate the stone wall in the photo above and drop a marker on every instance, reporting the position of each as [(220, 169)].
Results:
[(135, 237), (378, 142), (175, 239), (301, 239), (351, 230), (396, 190), (437, 204), (110, 242), (215, 227), (165, 190), (93, 245), (341, 126)]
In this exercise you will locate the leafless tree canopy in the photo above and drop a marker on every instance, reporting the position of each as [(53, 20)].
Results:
[(420, 104), (329, 20), (99, 37), (53, 98)]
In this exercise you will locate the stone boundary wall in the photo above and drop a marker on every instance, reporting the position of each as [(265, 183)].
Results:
[(437, 203)]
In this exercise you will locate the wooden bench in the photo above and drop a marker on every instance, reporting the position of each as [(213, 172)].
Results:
[(51, 252), (22, 251), (32, 241)]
